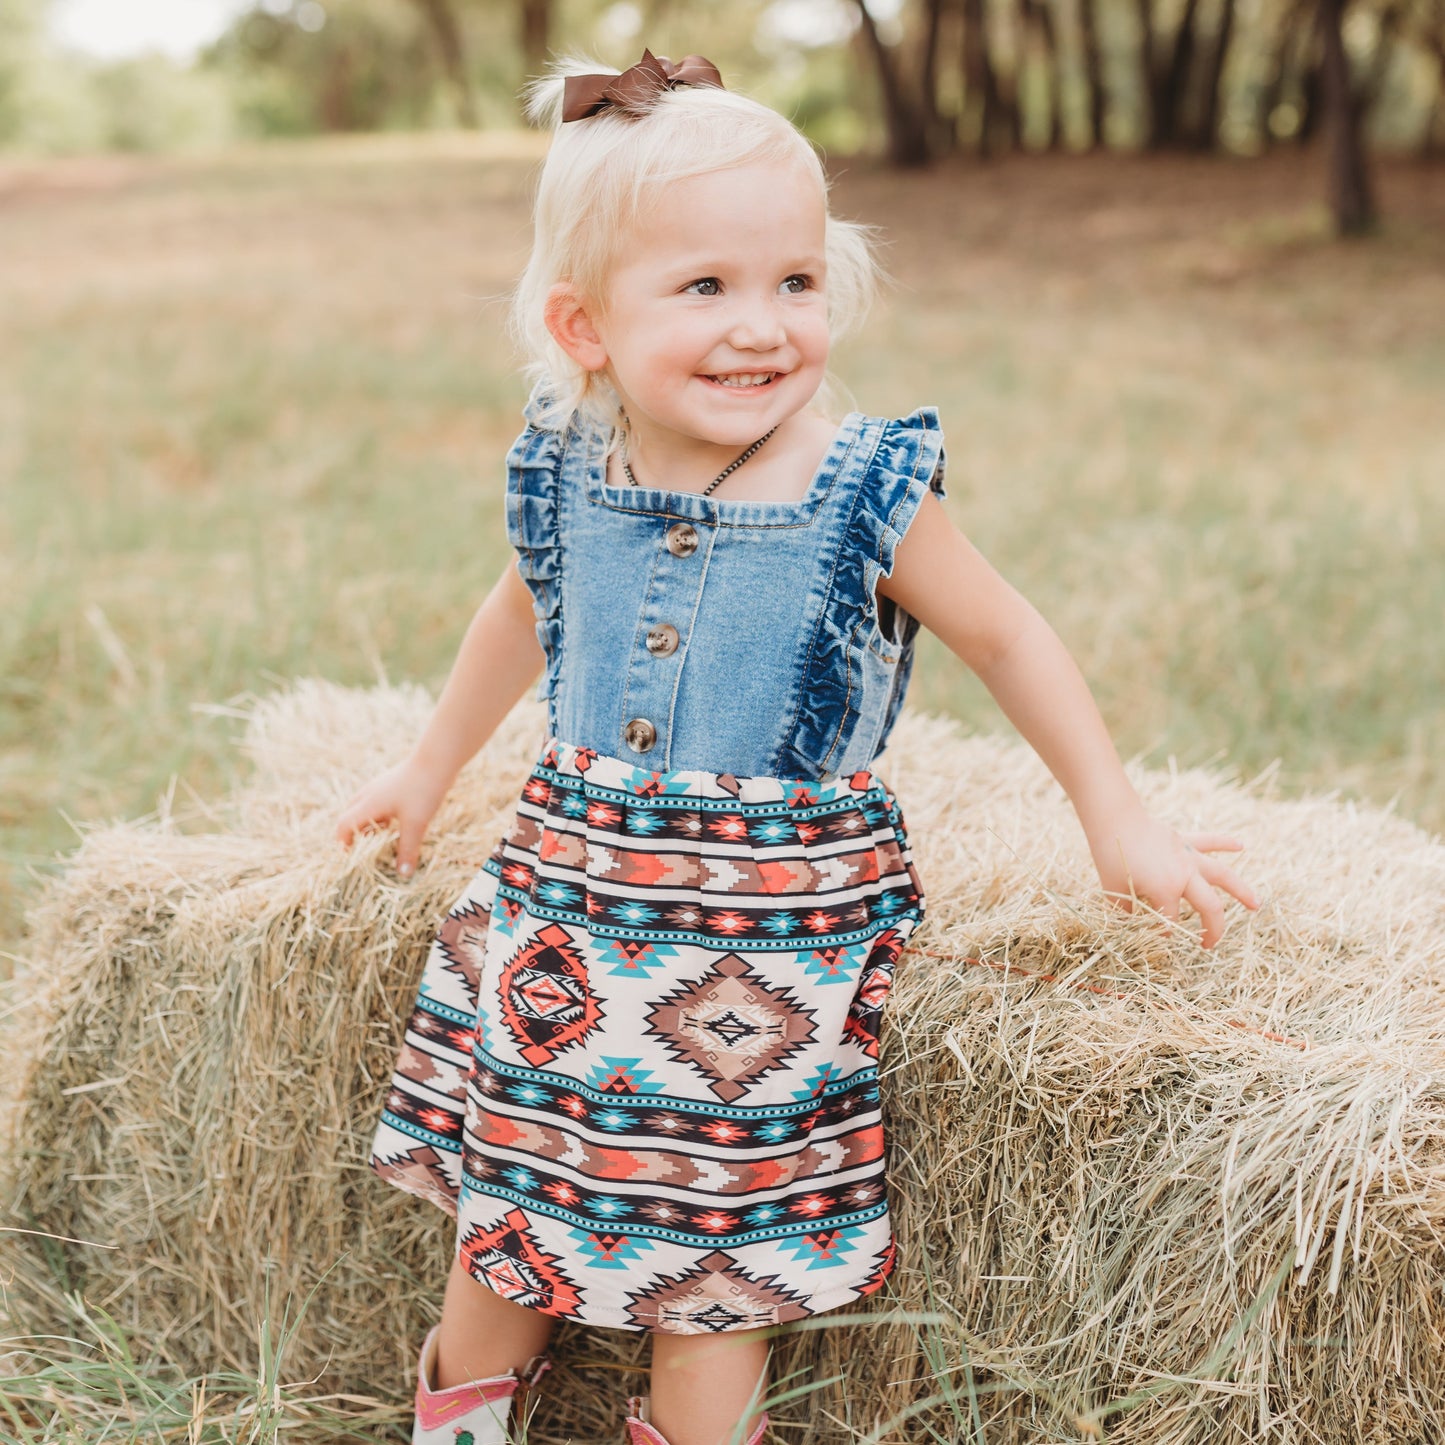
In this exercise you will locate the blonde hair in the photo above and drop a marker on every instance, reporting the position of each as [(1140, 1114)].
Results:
[(599, 175)]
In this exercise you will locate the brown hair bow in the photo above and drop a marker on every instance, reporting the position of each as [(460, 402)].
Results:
[(634, 91)]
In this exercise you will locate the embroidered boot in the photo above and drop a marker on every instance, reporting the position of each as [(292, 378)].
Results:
[(640, 1432), (475, 1413)]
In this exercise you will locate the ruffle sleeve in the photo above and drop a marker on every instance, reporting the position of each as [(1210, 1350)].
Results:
[(534, 468), (861, 650), (908, 462)]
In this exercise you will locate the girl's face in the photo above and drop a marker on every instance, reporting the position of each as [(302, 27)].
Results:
[(714, 327)]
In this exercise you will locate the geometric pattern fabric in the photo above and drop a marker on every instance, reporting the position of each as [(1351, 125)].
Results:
[(641, 1069)]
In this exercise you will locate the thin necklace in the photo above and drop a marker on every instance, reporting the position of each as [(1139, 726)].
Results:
[(726, 472)]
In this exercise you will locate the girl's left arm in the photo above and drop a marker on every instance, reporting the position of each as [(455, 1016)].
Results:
[(941, 579)]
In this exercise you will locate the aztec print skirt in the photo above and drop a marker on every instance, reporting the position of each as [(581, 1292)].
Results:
[(642, 1065)]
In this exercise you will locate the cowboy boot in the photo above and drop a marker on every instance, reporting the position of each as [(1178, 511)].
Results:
[(475, 1413), (640, 1432)]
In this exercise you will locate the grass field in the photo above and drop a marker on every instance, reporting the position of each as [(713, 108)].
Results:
[(253, 410)]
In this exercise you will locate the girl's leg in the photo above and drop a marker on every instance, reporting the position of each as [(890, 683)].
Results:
[(483, 1334), (703, 1386)]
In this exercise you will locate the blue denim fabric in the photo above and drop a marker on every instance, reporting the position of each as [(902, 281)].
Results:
[(784, 667)]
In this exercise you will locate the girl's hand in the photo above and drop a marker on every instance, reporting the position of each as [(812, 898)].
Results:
[(405, 797), (1138, 857)]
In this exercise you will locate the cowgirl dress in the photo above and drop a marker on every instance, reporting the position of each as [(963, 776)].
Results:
[(641, 1070)]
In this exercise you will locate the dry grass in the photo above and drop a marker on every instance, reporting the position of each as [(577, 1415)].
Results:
[(1169, 1196)]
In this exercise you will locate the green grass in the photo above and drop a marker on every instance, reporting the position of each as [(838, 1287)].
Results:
[(97, 1384), (253, 412), (94, 1383)]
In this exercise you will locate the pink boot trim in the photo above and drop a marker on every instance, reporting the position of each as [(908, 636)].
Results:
[(640, 1432), (436, 1408)]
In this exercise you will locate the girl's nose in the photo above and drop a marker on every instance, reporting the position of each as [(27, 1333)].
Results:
[(757, 328)]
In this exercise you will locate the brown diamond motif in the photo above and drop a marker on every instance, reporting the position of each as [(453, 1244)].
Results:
[(717, 1296), (731, 1026), (463, 939)]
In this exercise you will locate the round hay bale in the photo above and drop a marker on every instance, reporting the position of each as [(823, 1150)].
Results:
[(1144, 1191)]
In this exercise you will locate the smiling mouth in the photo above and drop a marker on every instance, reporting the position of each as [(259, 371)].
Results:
[(746, 380)]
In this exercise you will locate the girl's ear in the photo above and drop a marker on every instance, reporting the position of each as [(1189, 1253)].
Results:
[(569, 321)]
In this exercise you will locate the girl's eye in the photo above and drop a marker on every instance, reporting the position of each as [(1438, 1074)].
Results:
[(707, 286), (796, 285)]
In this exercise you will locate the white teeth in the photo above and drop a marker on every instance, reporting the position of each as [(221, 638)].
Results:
[(751, 378)]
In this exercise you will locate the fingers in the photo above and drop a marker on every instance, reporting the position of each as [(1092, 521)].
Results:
[(379, 808), (1213, 843), (1207, 905), (1230, 881), (1200, 892), (348, 825), (1170, 872), (408, 846), (355, 821)]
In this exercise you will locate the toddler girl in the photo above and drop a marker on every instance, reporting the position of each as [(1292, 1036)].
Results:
[(642, 1066)]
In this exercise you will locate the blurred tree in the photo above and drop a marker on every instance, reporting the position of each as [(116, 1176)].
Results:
[(442, 21), (983, 107), (1171, 60), (1432, 135), (367, 67), (1202, 74), (153, 103), (906, 85), (1041, 42), (21, 22), (536, 26), (1206, 131), (1093, 62), (946, 75), (1352, 201)]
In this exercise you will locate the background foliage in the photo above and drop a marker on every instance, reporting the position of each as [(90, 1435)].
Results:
[(922, 77)]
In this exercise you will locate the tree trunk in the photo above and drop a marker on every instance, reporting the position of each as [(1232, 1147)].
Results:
[(1352, 199), (335, 100), (1148, 64), (1432, 140), (1379, 66), (1271, 93), (536, 26), (1040, 12), (1311, 65), (1206, 135), (929, 117), (907, 136), (1173, 81), (1011, 99), (448, 37), (980, 81), (1093, 69), (1310, 83)]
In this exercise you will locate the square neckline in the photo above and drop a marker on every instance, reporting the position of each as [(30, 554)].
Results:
[(722, 511)]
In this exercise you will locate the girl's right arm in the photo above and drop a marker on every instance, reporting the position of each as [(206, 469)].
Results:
[(499, 656)]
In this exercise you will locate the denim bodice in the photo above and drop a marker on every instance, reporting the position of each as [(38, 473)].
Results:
[(744, 637)]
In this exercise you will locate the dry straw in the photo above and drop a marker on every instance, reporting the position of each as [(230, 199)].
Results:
[(1149, 1193)]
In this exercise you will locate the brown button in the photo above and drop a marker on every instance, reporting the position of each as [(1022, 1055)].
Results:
[(682, 539), (662, 640), (640, 734)]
